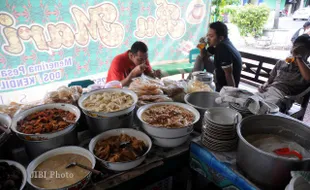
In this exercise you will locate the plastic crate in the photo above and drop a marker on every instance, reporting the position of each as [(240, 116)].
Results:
[(165, 184)]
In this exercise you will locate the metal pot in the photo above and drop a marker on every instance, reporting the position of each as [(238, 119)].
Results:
[(110, 114), (264, 168), (202, 101), (98, 125), (36, 148)]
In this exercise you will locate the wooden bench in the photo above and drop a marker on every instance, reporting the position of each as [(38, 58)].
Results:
[(256, 70)]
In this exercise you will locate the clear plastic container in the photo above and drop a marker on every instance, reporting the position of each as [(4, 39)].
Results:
[(113, 84)]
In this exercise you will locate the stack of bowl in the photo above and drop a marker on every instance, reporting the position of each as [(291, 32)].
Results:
[(99, 122), (168, 137), (219, 129), (202, 101), (36, 144)]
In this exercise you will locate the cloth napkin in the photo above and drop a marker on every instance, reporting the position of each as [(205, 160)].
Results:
[(244, 98)]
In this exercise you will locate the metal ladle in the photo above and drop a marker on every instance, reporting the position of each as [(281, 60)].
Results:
[(84, 167)]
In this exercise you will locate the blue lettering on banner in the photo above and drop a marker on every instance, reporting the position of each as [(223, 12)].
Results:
[(20, 70), (32, 71), (53, 76), (18, 83)]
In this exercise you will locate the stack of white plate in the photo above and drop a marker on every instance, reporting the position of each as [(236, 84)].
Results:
[(244, 111), (219, 129)]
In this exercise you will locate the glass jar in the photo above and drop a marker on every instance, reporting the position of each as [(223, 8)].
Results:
[(205, 77)]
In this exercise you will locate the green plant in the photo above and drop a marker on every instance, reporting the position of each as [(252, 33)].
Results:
[(230, 9), (219, 5), (251, 19)]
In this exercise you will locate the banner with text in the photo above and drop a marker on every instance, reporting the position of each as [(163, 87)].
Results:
[(46, 41)]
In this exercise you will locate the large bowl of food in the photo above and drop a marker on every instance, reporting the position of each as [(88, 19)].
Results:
[(168, 119), (120, 149), (109, 102), (45, 121), (50, 171), (12, 175)]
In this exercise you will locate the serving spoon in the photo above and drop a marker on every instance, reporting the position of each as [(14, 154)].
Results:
[(84, 167)]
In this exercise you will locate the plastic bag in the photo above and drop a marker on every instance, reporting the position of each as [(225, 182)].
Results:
[(93, 87), (147, 99), (113, 84), (64, 94), (142, 86)]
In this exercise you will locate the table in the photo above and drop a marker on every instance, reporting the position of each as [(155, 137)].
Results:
[(218, 167), (155, 159)]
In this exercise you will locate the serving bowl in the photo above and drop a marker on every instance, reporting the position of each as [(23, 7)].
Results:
[(223, 116), (21, 168), (59, 151), (44, 136), (170, 143), (162, 132), (121, 166), (108, 114)]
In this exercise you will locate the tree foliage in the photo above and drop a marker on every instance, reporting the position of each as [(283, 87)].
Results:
[(250, 19)]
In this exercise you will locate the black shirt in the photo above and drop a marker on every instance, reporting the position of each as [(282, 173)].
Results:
[(226, 54)]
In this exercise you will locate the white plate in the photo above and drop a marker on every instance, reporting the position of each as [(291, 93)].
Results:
[(218, 135), (221, 128), (223, 116)]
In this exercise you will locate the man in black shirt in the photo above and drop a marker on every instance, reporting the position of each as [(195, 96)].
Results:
[(227, 59)]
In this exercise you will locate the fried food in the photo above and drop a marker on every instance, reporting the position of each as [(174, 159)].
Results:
[(46, 121), (112, 150)]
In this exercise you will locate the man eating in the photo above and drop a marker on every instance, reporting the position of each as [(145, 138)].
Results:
[(131, 64)]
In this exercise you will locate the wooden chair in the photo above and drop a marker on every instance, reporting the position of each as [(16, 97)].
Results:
[(192, 57)]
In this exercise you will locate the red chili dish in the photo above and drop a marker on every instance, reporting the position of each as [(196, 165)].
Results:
[(287, 152)]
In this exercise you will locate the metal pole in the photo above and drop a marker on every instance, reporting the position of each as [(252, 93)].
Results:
[(277, 14)]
